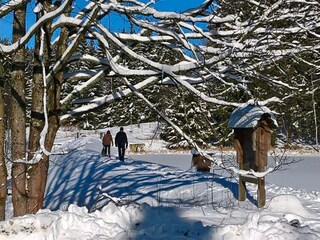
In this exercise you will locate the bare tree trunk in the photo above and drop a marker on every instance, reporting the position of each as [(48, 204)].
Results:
[(3, 169), (36, 126), (18, 117), (36, 171), (37, 174), (54, 97)]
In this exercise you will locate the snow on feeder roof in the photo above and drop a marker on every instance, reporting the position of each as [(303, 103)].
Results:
[(248, 116)]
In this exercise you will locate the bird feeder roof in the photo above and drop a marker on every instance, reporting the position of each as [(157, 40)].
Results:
[(248, 116)]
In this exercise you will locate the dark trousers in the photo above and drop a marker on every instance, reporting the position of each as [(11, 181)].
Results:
[(106, 150), (121, 151)]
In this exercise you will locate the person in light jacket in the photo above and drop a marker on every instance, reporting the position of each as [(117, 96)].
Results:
[(107, 141), (121, 141)]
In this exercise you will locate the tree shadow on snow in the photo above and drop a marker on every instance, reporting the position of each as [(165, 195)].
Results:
[(167, 223), (234, 188), (75, 182), (85, 179)]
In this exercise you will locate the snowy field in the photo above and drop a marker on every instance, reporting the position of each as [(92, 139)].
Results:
[(157, 195)]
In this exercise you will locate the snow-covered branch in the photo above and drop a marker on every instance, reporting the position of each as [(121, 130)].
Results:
[(70, 49), (230, 49), (34, 28), (9, 6), (97, 102)]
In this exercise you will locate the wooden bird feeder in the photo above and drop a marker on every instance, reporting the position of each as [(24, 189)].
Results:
[(200, 162), (252, 139)]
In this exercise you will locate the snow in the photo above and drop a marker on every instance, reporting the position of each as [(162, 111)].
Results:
[(248, 115), (157, 195)]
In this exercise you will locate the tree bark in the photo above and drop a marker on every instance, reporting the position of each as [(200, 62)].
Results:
[(3, 169), (37, 173), (54, 106), (18, 117), (36, 126)]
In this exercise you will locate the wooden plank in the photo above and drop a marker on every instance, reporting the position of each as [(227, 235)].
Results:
[(249, 179), (242, 191), (239, 150), (261, 192)]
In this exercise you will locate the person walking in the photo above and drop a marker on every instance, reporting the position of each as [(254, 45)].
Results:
[(107, 141), (121, 141)]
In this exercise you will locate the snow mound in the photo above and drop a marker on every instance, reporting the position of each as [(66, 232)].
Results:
[(284, 218), (288, 204)]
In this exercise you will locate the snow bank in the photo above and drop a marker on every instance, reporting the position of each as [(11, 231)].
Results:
[(284, 218), (141, 221)]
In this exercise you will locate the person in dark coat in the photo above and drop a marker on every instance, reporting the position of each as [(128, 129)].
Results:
[(121, 141)]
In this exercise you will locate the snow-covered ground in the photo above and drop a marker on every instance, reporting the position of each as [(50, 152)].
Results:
[(156, 195)]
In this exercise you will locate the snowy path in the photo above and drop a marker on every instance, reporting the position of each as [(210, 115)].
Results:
[(149, 178)]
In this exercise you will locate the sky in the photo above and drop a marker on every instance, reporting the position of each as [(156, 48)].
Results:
[(156, 195), (176, 5), (166, 5)]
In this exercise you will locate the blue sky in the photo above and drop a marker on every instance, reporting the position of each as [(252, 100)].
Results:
[(177, 5), (167, 5)]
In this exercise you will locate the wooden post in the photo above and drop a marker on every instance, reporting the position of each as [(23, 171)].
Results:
[(261, 192), (242, 189), (262, 143)]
